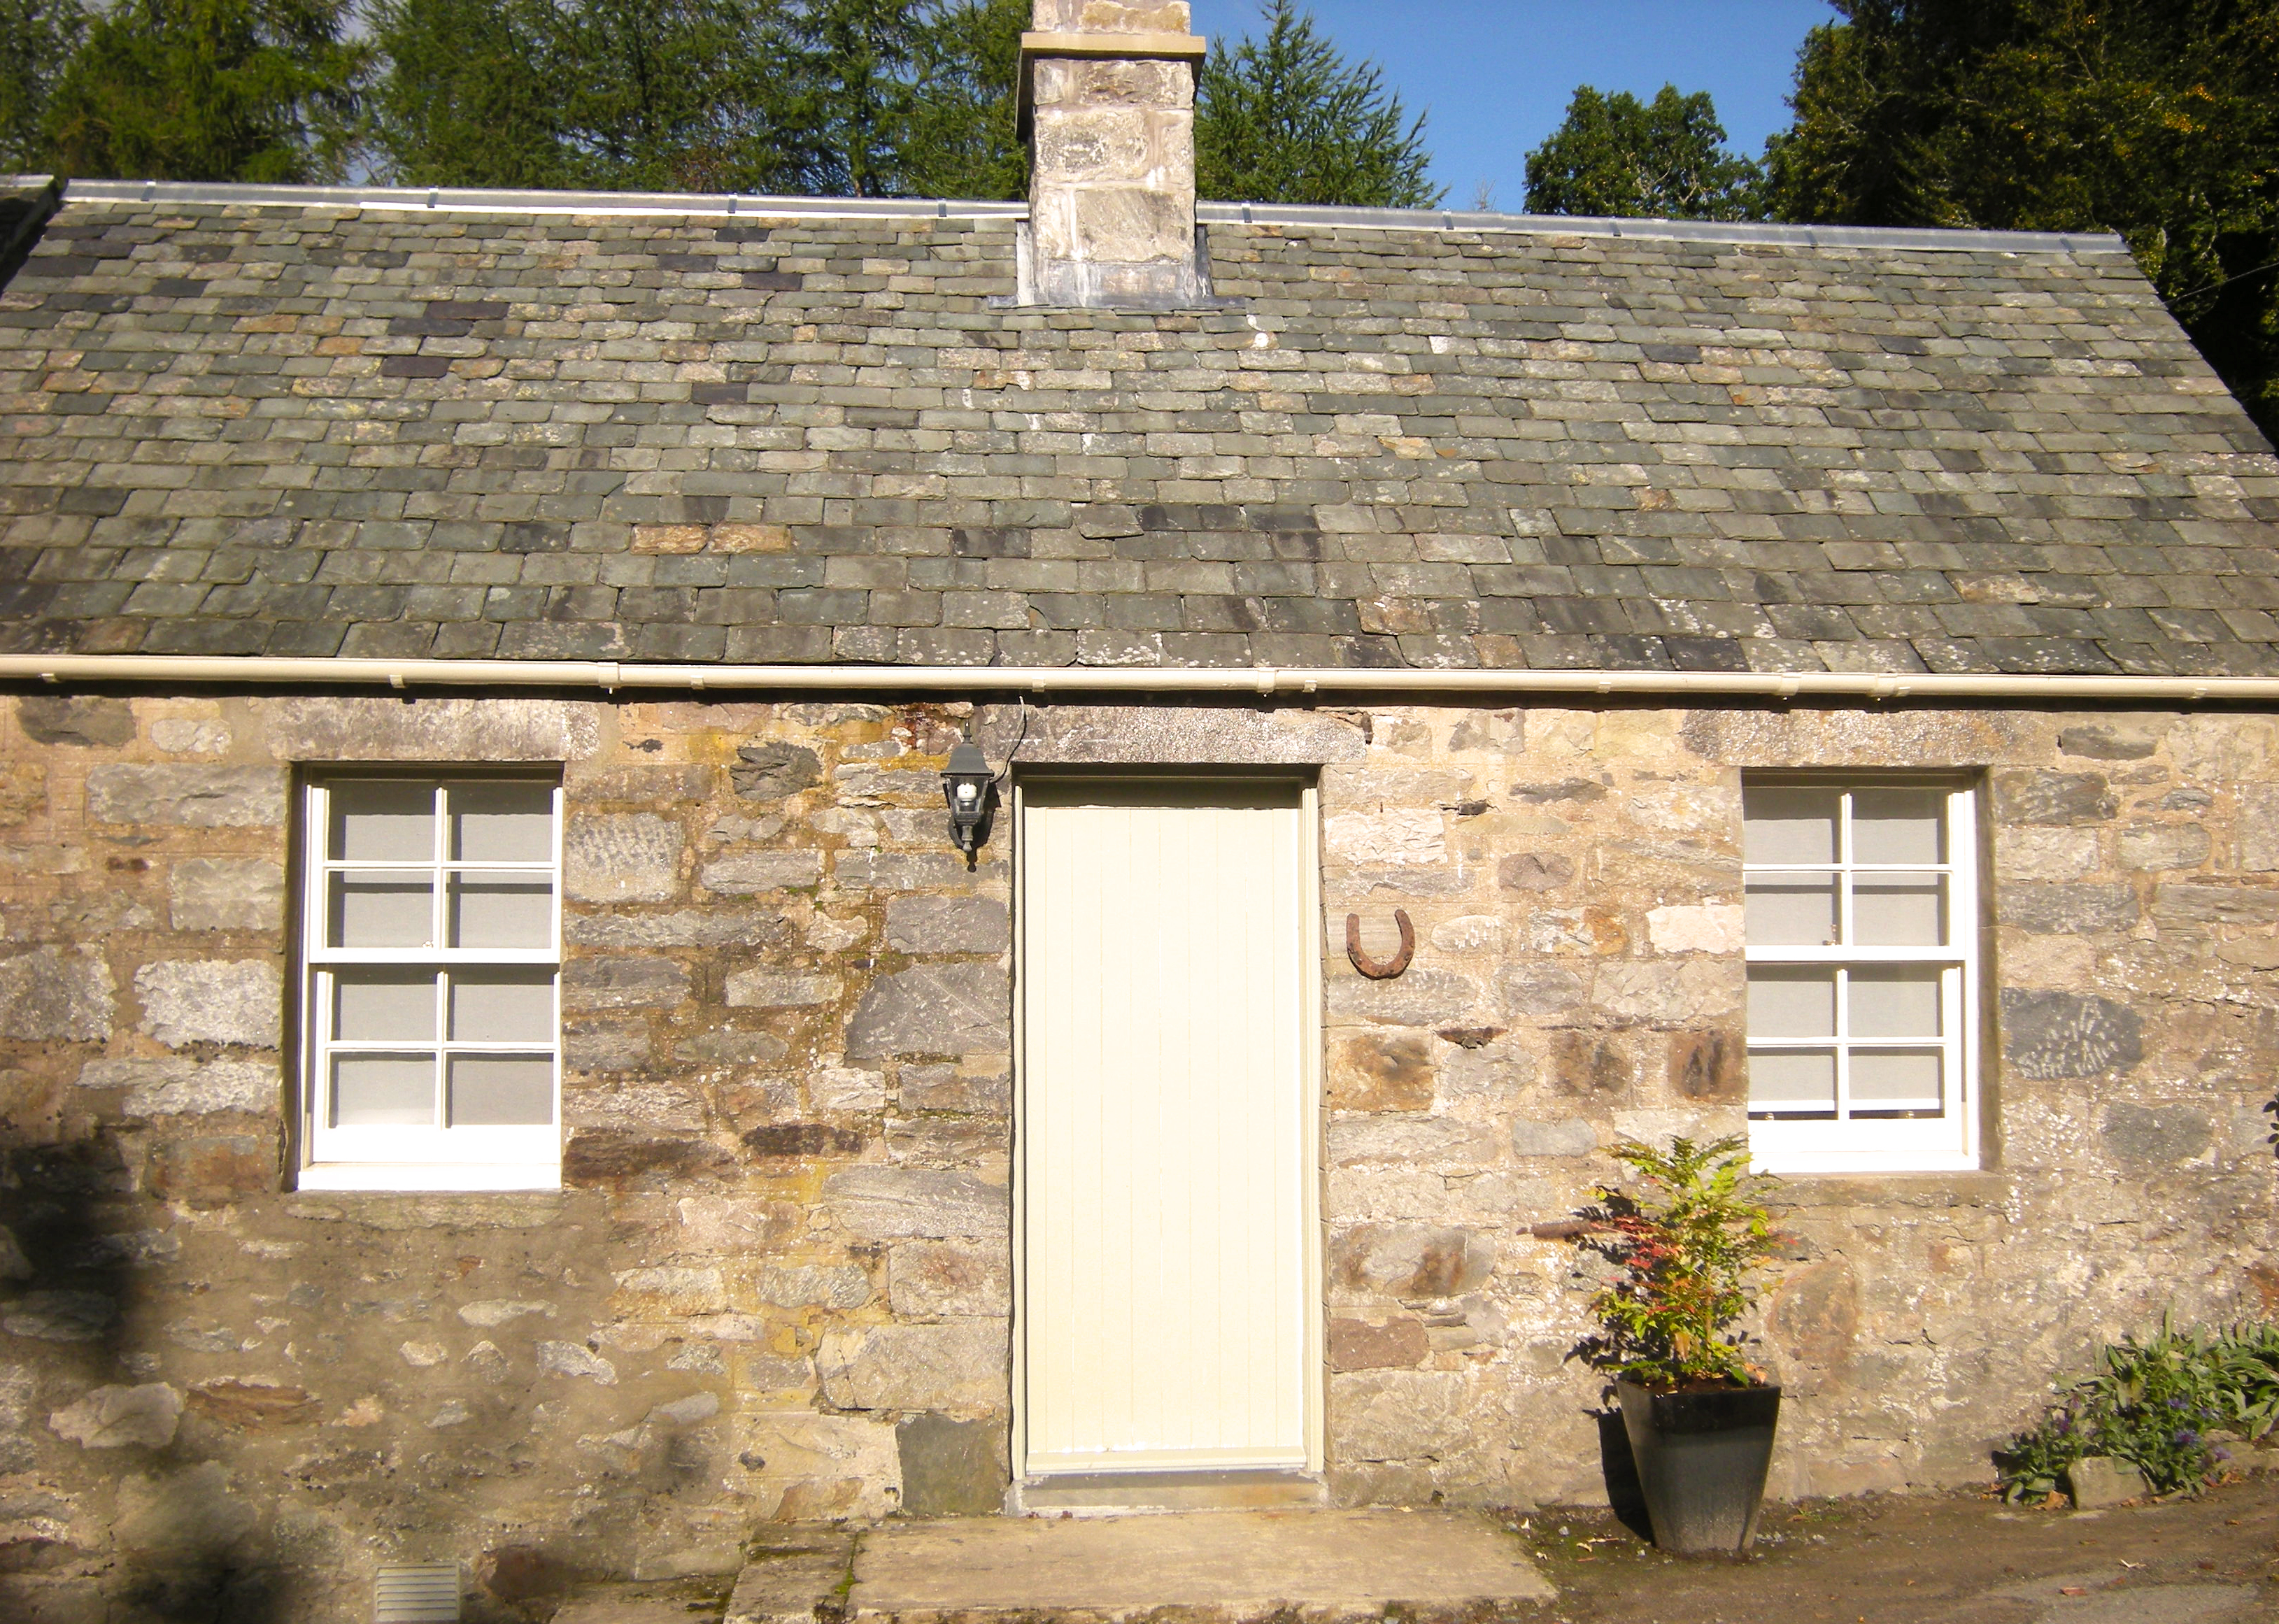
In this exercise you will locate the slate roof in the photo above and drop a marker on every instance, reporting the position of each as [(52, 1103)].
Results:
[(303, 427)]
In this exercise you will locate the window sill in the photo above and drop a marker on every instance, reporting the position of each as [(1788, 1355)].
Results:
[(405, 1179), (1893, 1187), (1835, 1164)]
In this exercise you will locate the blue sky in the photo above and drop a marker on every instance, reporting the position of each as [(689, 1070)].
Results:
[(1496, 75)]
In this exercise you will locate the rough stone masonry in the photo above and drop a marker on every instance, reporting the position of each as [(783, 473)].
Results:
[(776, 1286), (1110, 96)]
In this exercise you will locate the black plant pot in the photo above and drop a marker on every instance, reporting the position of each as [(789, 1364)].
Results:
[(1701, 1460)]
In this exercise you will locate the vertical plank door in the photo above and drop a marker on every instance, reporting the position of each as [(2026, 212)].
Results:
[(1168, 1127)]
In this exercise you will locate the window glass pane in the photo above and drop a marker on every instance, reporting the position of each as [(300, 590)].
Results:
[(383, 822), (381, 909), (1791, 910), (1894, 1002), (1789, 825), (501, 910), (502, 823), (1896, 1080), (1793, 1082), (1890, 910), (379, 1006), (1792, 1003), (502, 1090), (1898, 825), (503, 1007), (383, 1090)]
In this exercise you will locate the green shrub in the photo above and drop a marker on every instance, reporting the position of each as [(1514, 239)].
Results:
[(2154, 1403), (1685, 1259)]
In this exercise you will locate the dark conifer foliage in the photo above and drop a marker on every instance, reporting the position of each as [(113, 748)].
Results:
[(2156, 119), (37, 38), (864, 98), (1288, 119), (653, 94), (208, 90), (960, 139)]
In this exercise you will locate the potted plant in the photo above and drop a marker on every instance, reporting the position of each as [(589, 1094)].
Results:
[(1699, 1415)]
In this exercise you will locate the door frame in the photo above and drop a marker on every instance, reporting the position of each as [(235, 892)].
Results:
[(1312, 1104)]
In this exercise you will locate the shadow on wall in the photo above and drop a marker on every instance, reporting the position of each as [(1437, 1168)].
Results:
[(94, 1435)]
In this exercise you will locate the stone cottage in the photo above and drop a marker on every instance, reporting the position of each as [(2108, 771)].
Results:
[(502, 1058)]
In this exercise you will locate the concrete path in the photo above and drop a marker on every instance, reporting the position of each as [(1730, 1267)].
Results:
[(1223, 1568)]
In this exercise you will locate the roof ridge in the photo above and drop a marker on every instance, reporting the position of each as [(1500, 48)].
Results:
[(1663, 230), (479, 200)]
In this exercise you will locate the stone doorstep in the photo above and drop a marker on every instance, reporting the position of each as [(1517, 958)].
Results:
[(1116, 1493), (1215, 1568)]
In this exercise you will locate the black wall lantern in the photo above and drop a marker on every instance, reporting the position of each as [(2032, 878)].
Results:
[(969, 787)]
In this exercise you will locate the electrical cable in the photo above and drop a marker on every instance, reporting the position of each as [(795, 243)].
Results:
[(2227, 281), (1022, 738)]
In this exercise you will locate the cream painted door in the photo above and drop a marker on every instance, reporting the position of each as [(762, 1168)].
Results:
[(1168, 1127)]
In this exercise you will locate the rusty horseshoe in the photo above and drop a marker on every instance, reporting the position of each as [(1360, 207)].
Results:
[(1371, 967)]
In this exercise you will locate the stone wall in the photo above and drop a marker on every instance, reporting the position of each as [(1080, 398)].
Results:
[(776, 1283), (1574, 877)]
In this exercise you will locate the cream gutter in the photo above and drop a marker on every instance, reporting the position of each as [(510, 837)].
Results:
[(611, 676)]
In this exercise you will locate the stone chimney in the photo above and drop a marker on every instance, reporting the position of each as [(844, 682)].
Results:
[(1108, 102)]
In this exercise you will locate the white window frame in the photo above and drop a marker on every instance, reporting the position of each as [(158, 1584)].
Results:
[(1948, 1142), (441, 1157)]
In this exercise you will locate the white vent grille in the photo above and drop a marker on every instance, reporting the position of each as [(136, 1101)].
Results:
[(425, 1593)]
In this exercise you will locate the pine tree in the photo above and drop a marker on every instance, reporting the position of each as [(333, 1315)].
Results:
[(867, 98), (1286, 119), (821, 97), (259, 90), (665, 94), (37, 38), (466, 101), (1666, 159), (852, 65), (960, 139)]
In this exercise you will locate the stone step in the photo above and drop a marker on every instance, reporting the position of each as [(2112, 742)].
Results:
[(1217, 1567), (796, 1576), (677, 1602)]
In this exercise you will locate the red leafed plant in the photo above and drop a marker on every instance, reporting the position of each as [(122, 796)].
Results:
[(1685, 1259)]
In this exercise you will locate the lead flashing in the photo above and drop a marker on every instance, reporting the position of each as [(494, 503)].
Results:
[(469, 200), (1731, 231), (472, 200)]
